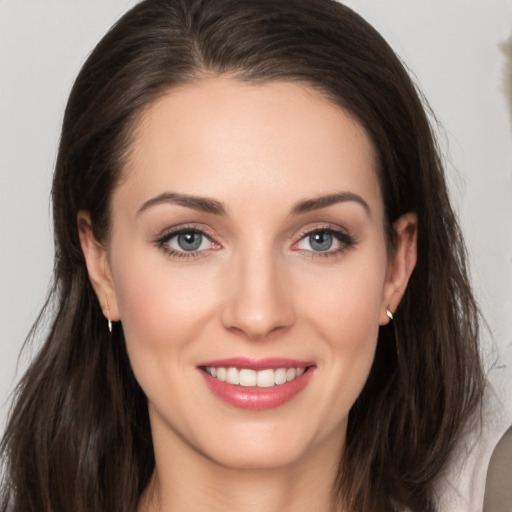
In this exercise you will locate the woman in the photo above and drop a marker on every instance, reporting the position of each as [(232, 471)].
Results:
[(260, 286)]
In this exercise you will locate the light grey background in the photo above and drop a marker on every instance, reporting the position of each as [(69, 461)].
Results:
[(452, 48)]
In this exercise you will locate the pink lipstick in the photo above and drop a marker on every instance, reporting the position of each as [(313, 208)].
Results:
[(256, 384)]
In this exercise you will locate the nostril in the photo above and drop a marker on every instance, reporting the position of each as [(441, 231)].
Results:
[(269, 321)]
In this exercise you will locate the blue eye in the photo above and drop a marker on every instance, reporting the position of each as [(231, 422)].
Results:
[(191, 241), (321, 241), (326, 241), (185, 241)]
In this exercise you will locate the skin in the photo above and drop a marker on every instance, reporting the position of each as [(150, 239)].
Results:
[(255, 288)]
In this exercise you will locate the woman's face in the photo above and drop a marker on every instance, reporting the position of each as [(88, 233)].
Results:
[(248, 245)]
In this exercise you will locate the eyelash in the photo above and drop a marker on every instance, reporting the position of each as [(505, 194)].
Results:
[(163, 241), (347, 242)]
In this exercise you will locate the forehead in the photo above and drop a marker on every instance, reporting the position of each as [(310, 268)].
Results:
[(223, 138)]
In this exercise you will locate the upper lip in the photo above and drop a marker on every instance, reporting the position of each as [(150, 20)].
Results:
[(256, 364)]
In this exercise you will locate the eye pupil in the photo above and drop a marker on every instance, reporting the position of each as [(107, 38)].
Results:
[(189, 241), (321, 241)]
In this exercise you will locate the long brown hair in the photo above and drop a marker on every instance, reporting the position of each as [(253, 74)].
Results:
[(78, 437)]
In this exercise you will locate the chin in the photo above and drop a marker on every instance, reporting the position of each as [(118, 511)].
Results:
[(271, 446)]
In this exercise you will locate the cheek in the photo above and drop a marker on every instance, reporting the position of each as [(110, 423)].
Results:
[(345, 301), (344, 309), (349, 324), (162, 309)]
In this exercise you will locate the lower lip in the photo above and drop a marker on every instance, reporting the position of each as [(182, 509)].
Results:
[(257, 399)]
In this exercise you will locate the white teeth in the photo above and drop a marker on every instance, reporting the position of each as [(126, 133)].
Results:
[(291, 373), (247, 378), (233, 376), (266, 378), (280, 376), (261, 379)]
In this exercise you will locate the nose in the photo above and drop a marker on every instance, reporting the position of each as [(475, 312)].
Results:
[(259, 301)]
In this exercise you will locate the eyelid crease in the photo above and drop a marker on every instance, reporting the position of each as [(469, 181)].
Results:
[(346, 240), (185, 228), (322, 227), (162, 242)]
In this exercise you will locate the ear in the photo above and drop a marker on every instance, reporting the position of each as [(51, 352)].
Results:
[(401, 263), (98, 267)]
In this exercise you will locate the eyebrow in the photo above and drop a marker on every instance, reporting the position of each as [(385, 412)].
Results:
[(202, 204), (209, 205), (328, 200)]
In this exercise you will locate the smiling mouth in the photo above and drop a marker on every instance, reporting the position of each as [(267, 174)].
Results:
[(245, 377), (257, 384)]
